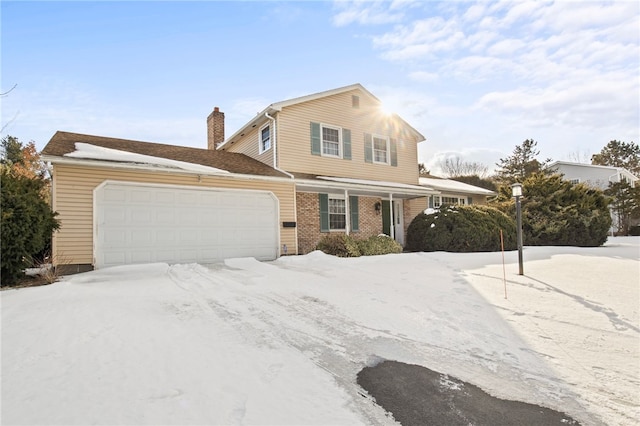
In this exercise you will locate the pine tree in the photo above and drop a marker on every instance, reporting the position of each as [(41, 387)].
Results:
[(521, 164), (619, 154)]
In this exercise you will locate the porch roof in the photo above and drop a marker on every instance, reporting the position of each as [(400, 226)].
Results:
[(362, 187)]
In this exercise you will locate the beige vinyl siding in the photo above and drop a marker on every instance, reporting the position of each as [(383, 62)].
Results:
[(249, 145), (294, 148), (73, 200)]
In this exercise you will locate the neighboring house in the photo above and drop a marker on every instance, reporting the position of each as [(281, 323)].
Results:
[(453, 192), (592, 175), (331, 162), (595, 176)]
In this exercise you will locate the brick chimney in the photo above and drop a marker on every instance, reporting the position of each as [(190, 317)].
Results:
[(215, 128)]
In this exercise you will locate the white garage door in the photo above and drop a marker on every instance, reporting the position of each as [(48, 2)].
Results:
[(137, 223)]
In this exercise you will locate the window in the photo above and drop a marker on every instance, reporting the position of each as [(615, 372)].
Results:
[(355, 101), (265, 138), (439, 200), (331, 141), (574, 181), (380, 150), (337, 213)]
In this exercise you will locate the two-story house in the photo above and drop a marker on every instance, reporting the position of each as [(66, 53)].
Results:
[(300, 169), (594, 176)]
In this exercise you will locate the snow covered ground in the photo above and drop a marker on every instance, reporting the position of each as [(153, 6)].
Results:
[(281, 342)]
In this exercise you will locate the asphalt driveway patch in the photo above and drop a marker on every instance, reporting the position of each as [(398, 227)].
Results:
[(416, 395)]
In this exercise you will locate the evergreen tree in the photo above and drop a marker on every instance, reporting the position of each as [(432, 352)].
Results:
[(521, 164), (619, 154), (625, 205), (556, 212), (26, 218)]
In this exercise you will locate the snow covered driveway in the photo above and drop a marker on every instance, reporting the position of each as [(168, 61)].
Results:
[(281, 342)]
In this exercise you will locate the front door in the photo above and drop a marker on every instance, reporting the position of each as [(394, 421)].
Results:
[(397, 222)]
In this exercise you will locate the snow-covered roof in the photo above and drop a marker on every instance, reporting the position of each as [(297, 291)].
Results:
[(449, 185), (75, 147), (92, 152), (360, 186)]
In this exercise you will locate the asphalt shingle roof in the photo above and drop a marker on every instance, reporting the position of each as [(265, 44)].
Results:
[(64, 143)]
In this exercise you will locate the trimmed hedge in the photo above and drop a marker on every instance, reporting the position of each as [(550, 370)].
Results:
[(343, 245), (461, 229)]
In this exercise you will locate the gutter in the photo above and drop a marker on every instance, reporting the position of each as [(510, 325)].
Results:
[(151, 168), (365, 188), (273, 139)]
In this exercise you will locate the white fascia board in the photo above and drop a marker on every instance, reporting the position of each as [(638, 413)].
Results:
[(324, 185), (156, 169), (258, 119)]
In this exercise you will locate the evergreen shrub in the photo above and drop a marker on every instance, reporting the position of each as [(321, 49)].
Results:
[(556, 212), (26, 225), (379, 244), (461, 229), (340, 245)]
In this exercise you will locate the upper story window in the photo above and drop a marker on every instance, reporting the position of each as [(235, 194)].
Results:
[(380, 150), (331, 141), (575, 181), (265, 138)]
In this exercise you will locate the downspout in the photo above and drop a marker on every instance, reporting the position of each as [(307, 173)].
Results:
[(275, 166)]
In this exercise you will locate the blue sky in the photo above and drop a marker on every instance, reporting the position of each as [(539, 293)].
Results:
[(476, 78)]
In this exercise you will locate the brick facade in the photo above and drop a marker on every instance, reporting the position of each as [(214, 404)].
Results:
[(308, 210)]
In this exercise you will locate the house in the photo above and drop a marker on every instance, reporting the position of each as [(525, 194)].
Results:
[(592, 175), (331, 162), (597, 177), (453, 192)]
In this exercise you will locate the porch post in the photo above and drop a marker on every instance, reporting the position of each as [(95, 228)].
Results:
[(347, 213), (391, 228)]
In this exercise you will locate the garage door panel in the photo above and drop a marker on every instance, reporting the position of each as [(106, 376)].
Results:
[(145, 223)]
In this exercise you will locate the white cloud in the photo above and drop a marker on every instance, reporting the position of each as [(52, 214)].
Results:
[(423, 76), (367, 12), (553, 68)]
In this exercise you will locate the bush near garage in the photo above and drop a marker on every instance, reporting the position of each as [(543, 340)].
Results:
[(343, 245), (461, 229), (27, 223)]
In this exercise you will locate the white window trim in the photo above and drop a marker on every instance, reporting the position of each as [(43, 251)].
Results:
[(373, 149), (260, 148), (339, 129), (462, 201), (346, 215)]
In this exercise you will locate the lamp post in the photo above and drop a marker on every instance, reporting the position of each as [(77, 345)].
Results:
[(516, 190)]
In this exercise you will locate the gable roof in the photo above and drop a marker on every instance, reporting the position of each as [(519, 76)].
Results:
[(63, 143), (278, 106)]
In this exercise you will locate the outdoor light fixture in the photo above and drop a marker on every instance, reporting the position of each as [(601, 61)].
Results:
[(516, 191), (377, 206)]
